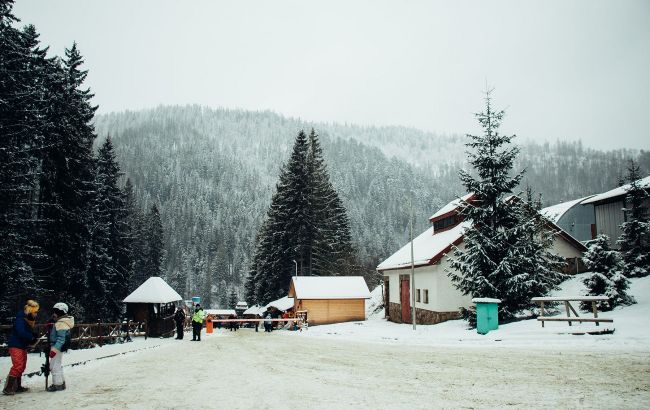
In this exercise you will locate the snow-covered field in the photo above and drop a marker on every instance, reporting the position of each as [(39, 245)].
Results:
[(374, 365)]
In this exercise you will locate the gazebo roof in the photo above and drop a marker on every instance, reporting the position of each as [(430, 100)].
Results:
[(153, 290)]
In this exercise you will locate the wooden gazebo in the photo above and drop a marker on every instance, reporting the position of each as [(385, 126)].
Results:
[(153, 302)]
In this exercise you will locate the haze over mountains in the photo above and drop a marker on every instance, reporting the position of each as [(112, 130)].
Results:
[(212, 172)]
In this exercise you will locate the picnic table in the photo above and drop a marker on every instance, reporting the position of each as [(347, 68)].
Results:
[(569, 308)]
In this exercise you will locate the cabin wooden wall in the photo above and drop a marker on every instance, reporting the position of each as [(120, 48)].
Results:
[(324, 311)]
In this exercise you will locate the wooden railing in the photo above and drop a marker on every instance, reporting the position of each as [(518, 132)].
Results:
[(84, 335)]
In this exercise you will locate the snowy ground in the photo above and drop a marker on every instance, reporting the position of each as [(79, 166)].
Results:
[(372, 365)]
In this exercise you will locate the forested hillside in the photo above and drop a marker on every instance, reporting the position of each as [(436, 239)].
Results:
[(213, 171)]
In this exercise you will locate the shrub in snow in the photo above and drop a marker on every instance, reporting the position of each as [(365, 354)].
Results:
[(607, 278)]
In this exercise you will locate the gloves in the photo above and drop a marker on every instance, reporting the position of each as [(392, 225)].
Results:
[(52, 353)]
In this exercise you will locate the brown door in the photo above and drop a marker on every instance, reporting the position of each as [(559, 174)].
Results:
[(405, 300)]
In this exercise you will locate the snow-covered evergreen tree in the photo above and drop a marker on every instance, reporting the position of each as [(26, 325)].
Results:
[(607, 278), (634, 242), (110, 259), (22, 107), (330, 250), (154, 243), (306, 225), (504, 256)]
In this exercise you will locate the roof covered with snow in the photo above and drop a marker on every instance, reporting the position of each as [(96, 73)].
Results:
[(282, 304), (153, 290), (426, 247), (329, 287), (616, 192), (254, 310), (555, 212), (451, 206)]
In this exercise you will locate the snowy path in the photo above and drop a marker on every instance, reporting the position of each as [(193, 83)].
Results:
[(248, 370)]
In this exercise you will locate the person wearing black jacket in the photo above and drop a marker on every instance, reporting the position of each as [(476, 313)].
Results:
[(22, 336), (179, 318)]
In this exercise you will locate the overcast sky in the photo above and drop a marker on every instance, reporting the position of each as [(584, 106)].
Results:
[(562, 69)]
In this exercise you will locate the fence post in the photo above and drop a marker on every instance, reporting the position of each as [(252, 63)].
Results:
[(99, 332)]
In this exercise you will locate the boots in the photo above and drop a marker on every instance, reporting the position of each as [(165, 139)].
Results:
[(19, 387), (10, 386), (56, 387)]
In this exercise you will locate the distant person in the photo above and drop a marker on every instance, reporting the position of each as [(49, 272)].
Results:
[(179, 318), (22, 336), (268, 323), (60, 335), (197, 323), (233, 325)]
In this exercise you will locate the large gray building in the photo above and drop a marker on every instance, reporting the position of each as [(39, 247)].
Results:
[(585, 218), (608, 210)]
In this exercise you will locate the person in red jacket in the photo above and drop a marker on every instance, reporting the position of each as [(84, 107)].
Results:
[(22, 336)]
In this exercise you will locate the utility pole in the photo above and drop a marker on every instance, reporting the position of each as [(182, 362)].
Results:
[(412, 261)]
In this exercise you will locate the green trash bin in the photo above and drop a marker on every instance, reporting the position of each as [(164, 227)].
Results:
[(487, 314)]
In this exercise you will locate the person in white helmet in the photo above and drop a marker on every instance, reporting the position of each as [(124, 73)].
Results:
[(59, 334)]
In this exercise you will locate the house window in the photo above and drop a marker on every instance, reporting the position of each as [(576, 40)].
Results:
[(444, 223), (417, 295), (426, 295)]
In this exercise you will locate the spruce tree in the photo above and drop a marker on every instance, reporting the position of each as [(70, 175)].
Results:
[(154, 243), (606, 266), (108, 275), (66, 182), (502, 254), (330, 249), (306, 223), (21, 127), (634, 241)]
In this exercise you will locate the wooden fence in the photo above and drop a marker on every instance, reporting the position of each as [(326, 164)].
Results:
[(84, 335)]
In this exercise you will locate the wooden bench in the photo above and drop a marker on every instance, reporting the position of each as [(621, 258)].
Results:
[(569, 308)]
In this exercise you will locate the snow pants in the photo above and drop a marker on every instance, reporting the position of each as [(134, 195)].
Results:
[(179, 330), (196, 330), (18, 361), (56, 369)]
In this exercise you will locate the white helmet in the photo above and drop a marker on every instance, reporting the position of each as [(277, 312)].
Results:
[(62, 307)]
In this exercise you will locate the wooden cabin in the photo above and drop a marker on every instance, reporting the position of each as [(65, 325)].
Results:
[(330, 299), (154, 302)]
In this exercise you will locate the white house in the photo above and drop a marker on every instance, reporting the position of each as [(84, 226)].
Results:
[(437, 299)]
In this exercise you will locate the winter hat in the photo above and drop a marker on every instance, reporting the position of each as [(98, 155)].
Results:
[(61, 307), (31, 307)]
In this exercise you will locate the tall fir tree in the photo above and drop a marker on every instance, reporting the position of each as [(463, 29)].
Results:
[(66, 183), (330, 251), (22, 69), (108, 275), (502, 253), (154, 243), (606, 267), (134, 237), (634, 241), (306, 230)]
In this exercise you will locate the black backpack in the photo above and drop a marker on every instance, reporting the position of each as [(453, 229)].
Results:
[(68, 341)]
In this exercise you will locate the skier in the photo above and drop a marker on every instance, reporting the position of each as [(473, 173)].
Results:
[(197, 323), (59, 340), (179, 318), (22, 336)]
